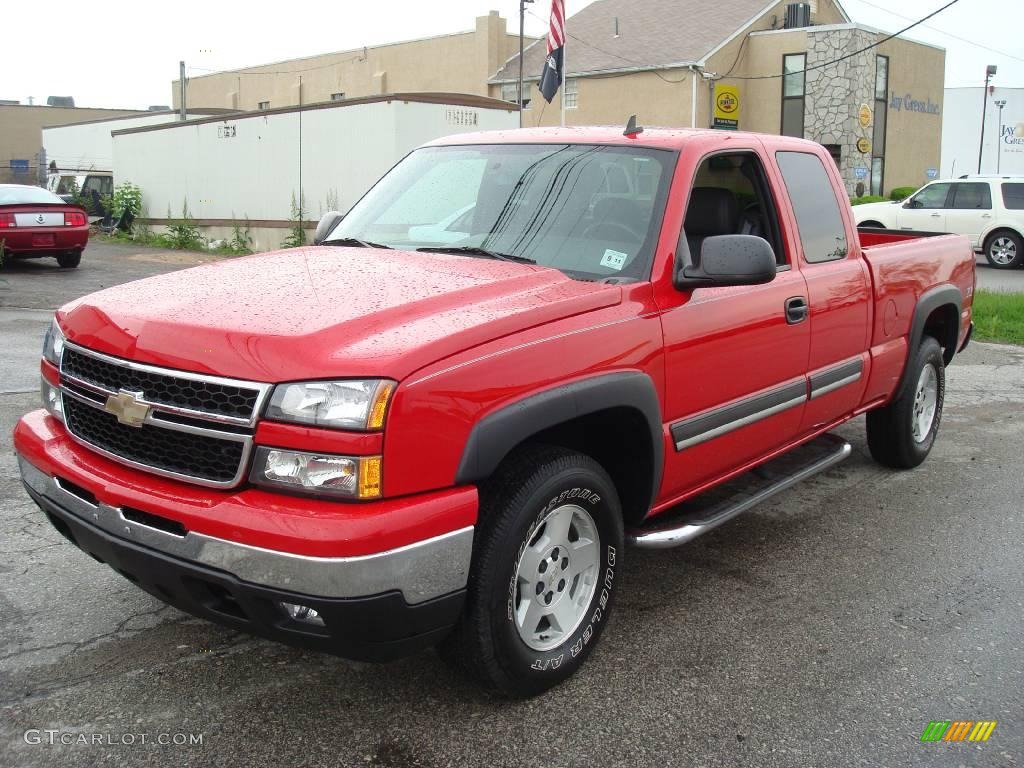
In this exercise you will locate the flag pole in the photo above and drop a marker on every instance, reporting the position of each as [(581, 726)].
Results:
[(565, 68)]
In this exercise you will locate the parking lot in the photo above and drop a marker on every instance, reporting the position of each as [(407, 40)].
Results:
[(825, 628)]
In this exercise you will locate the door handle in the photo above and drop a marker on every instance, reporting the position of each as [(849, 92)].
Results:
[(936, 215), (796, 310)]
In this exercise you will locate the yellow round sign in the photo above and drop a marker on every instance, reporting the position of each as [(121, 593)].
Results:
[(863, 146), (864, 115), (728, 102)]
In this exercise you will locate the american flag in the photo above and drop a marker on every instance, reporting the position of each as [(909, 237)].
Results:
[(551, 79)]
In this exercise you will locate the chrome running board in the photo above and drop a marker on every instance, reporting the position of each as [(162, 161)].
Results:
[(759, 485)]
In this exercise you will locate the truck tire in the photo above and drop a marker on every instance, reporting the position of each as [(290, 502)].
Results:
[(901, 434), (69, 259), (546, 553), (1004, 249)]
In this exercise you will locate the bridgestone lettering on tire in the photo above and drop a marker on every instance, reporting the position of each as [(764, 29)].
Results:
[(546, 553), (902, 434)]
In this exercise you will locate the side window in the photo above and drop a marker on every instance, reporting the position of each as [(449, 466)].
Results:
[(1013, 196), (731, 196), (932, 196), (972, 197), (818, 217)]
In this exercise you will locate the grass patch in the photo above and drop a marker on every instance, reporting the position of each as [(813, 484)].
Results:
[(999, 317)]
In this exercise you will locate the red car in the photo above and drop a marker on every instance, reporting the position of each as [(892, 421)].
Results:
[(35, 223), (516, 354)]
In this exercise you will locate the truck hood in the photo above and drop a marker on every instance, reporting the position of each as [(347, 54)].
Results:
[(324, 311)]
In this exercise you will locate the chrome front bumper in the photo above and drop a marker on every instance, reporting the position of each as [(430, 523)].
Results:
[(420, 571)]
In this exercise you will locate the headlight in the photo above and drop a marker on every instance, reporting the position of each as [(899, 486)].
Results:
[(354, 477), (338, 404), (53, 344)]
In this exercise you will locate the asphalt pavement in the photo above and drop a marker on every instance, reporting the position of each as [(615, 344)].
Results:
[(827, 627)]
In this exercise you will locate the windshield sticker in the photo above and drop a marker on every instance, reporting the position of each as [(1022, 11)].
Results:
[(614, 259)]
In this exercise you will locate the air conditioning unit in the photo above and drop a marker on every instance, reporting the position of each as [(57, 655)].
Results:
[(798, 15)]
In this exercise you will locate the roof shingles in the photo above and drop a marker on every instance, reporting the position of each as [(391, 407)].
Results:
[(652, 33)]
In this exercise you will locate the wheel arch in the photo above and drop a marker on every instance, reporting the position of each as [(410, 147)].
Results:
[(614, 418), (937, 314), (996, 230)]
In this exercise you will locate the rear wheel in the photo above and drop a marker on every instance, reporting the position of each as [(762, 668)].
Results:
[(1004, 250), (545, 558), (70, 259), (901, 434)]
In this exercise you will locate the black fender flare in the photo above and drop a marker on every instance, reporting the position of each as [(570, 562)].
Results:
[(494, 436), (932, 299)]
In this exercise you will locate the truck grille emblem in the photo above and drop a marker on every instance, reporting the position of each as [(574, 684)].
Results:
[(126, 407)]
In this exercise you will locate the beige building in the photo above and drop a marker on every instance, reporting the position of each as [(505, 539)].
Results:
[(456, 63), (21, 135), (668, 61)]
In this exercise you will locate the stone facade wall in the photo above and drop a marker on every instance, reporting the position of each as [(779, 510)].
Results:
[(835, 94)]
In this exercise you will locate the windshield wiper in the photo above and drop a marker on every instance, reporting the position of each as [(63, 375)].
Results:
[(355, 242), (476, 250)]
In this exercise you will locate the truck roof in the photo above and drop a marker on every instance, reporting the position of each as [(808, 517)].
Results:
[(663, 138)]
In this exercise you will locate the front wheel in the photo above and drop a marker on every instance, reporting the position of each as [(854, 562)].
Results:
[(901, 434), (1004, 250), (545, 561)]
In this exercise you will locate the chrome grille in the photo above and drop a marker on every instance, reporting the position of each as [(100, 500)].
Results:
[(198, 428), (167, 388)]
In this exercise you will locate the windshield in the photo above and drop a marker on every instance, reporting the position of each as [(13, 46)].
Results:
[(14, 194), (590, 211)]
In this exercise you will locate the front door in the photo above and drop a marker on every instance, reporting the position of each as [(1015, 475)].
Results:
[(926, 211), (734, 364)]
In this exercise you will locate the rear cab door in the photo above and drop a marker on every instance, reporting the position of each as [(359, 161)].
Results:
[(735, 365), (838, 285), (970, 211)]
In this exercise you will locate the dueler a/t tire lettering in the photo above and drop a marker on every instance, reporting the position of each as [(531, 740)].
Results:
[(529, 488)]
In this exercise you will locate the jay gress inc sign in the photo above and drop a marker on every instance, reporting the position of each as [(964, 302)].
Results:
[(907, 103)]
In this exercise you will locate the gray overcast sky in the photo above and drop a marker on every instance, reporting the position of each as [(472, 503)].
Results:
[(120, 54)]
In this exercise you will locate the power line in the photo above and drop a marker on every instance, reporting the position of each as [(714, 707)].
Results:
[(857, 52), (944, 32)]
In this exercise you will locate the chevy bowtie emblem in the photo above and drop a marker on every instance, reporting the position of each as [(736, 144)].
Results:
[(126, 406)]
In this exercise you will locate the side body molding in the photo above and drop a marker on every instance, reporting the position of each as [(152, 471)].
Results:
[(498, 433)]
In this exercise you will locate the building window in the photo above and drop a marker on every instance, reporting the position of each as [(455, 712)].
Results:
[(571, 94), (793, 92), (509, 92), (264, 105), (339, 96), (881, 119)]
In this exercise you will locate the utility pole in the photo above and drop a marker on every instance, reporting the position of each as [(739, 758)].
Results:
[(990, 72), (181, 84), (999, 141), (522, 21)]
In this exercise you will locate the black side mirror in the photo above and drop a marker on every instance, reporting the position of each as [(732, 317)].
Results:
[(327, 222), (730, 260)]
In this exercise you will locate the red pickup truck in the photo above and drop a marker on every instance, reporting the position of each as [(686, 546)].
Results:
[(441, 423)]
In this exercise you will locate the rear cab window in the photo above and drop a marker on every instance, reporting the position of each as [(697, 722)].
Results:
[(972, 196), (818, 215)]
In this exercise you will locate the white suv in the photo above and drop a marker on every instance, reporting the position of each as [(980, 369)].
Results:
[(988, 209)]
